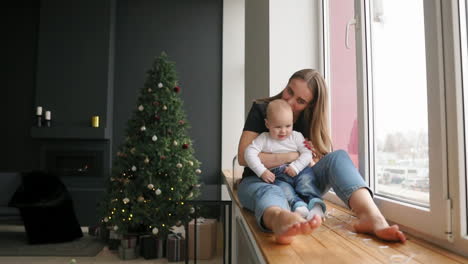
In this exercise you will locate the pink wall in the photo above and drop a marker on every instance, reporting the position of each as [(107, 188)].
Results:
[(343, 79)]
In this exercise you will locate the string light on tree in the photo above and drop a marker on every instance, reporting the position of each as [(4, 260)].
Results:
[(143, 128)]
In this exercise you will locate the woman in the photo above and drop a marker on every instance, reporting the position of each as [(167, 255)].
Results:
[(306, 93)]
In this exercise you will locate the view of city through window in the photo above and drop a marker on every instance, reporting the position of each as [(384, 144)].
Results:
[(399, 101)]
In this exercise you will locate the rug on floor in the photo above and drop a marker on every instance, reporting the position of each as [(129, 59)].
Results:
[(14, 243)]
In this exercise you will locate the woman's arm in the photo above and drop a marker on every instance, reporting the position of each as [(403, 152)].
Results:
[(270, 160)]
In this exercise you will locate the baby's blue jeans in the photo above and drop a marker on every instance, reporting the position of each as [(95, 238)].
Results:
[(299, 190), (335, 170)]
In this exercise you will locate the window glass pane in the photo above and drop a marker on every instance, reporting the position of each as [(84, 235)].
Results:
[(342, 81), (399, 100)]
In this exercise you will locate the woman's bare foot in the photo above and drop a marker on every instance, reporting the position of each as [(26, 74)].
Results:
[(287, 225), (380, 228)]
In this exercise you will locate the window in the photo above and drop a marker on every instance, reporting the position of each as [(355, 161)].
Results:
[(397, 56), (398, 77)]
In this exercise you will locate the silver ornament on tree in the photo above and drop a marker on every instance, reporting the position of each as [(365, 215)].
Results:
[(198, 171), (158, 191), (154, 138), (125, 200), (160, 85), (164, 107), (179, 165), (150, 186), (141, 108), (175, 143), (134, 168), (143, 128)]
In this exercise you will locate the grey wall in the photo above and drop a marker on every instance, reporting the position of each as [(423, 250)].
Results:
[(73, 60), (19, 26), (190, 32)]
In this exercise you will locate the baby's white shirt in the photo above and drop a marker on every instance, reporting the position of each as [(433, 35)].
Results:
[(264, 143)]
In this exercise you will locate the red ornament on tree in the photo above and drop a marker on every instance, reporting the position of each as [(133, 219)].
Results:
[(157, 118), (156, 103), (163, 157), (185, 146), (181, 122), (177, 89)]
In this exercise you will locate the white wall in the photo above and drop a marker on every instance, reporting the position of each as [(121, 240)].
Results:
[(294, 39), (233, 79), (264, 42)]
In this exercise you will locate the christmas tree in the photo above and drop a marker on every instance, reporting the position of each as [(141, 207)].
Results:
[(155, 171)]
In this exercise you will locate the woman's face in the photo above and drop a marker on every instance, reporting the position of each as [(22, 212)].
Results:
[(298, 96)]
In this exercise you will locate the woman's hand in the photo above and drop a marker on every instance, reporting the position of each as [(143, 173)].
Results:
[(315, 157)]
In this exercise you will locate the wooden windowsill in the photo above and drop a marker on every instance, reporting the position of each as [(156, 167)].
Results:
[(336, 242)]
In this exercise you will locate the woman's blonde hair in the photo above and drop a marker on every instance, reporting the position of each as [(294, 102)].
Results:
[(316, 113)]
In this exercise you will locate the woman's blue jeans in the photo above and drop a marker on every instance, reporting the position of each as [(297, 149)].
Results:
[(335, 170)]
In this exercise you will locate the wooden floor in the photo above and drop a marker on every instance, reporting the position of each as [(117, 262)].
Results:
[(336, 242)]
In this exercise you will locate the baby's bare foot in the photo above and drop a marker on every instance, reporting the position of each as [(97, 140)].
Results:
[(287, 225)]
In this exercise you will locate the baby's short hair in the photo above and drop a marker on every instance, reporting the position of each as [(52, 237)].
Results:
[(276, 106)]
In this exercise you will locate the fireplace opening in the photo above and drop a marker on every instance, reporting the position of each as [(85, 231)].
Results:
[(80, 163)]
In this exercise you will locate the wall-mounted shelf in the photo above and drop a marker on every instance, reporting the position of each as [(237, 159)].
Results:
[(71, 132)]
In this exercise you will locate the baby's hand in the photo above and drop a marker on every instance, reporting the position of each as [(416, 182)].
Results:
[(290, 171), (268, 176)]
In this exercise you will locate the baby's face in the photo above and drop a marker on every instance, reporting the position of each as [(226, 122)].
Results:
[(280, 125)]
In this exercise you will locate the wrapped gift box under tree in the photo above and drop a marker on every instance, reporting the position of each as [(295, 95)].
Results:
[(206, 238), (175, 250)]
